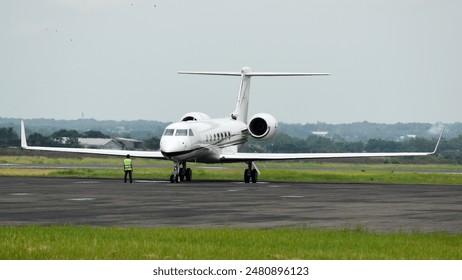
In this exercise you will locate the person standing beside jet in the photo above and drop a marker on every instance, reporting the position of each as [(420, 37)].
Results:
[(128, 168)]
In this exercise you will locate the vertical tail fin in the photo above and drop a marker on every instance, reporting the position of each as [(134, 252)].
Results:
[(23, 136), (242, 106)]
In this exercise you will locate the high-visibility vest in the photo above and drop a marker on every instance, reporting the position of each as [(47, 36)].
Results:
[(127, 164)]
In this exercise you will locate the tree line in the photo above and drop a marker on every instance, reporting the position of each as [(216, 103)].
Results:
[(449, 149), (143, 129)]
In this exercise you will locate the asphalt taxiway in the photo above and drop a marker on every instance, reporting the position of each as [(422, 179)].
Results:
[(100, 202)]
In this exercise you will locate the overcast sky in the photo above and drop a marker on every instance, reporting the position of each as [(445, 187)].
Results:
[(391, 60)]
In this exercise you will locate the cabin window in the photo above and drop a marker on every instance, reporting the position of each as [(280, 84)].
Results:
[(168, 132), (181, 132)]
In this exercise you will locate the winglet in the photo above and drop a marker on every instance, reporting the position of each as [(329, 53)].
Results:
[(439, 140), (23, 136)]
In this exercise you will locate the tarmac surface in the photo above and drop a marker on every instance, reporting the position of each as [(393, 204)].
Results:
[(101, 202)]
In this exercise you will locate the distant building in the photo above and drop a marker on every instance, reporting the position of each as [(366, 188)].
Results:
[(320, 133), (106, 143), (409, 136), (129, 144), (100, 143)]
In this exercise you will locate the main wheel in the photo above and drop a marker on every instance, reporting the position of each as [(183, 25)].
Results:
[(247, 176), (188, 174), (254, 176)]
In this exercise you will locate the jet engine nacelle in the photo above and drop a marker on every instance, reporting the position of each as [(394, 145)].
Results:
[(194, 116), (263, 126)]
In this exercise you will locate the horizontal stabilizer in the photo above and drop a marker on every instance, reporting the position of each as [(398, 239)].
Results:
[(240, 113), (246, 71), (254, 74)]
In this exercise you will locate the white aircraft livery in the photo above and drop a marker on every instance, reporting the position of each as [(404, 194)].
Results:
[(199, 138)]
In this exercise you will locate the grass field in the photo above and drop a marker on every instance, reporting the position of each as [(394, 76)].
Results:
[(72, 242), (299, 171)]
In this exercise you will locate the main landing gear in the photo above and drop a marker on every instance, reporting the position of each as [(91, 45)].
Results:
[(180, 172), (251, 173)]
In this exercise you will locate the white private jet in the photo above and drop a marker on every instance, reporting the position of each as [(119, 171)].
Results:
[(199, 138)]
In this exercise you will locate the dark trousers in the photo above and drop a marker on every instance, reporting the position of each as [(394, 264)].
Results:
[(129, 173)]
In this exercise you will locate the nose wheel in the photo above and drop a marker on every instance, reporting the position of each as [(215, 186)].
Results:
[(180, 173)]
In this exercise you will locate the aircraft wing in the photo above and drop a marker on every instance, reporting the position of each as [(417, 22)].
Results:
[(239, 157), (139, 154)]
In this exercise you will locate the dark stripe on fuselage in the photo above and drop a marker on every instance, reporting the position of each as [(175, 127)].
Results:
[(182, 153), (204, 152)]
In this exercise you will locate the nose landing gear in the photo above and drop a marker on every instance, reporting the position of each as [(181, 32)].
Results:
[(180, 173)]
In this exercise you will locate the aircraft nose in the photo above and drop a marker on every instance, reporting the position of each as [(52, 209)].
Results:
[(170, 147)]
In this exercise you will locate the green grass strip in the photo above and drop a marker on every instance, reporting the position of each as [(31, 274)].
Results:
[(274, 175), (292, 171), (76, 242)]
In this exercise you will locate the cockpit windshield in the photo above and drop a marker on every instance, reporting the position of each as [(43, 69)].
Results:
[(169, 132), (181, 132), (178, 132)]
